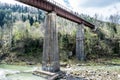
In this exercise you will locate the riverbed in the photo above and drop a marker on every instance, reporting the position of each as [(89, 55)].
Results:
[(78, 72)]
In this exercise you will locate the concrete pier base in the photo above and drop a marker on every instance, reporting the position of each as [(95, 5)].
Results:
[(80, 43), (50, 60)]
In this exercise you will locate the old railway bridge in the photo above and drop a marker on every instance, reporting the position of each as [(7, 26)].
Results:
[(50, 61)]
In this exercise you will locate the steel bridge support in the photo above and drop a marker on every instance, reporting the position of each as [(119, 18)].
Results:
[(50, 60), (80, 43)]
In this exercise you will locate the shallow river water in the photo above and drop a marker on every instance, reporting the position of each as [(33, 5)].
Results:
[(15, 72)]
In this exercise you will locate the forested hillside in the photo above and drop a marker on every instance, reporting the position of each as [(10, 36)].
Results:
[(22, 33)]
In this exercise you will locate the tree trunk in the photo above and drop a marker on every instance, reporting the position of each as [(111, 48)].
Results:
[(50, 61)]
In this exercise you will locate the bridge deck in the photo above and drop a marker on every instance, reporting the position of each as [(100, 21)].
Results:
[(60, 11)]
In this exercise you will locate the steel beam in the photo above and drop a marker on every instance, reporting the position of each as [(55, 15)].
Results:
[(49, 7)]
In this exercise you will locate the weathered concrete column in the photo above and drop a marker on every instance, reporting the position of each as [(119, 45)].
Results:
[(119, 46), (50, 61), (80, 43)]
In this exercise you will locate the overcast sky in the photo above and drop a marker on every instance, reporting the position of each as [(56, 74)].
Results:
[(90, 7)]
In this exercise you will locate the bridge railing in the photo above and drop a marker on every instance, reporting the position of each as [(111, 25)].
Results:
[(63, 7)]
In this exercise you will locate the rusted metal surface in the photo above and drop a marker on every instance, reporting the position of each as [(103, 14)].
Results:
[(60, 11)]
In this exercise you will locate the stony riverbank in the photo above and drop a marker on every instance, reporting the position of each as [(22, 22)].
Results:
[(77, 72)]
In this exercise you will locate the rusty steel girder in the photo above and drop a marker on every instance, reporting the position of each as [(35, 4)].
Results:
[(49, 7)]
